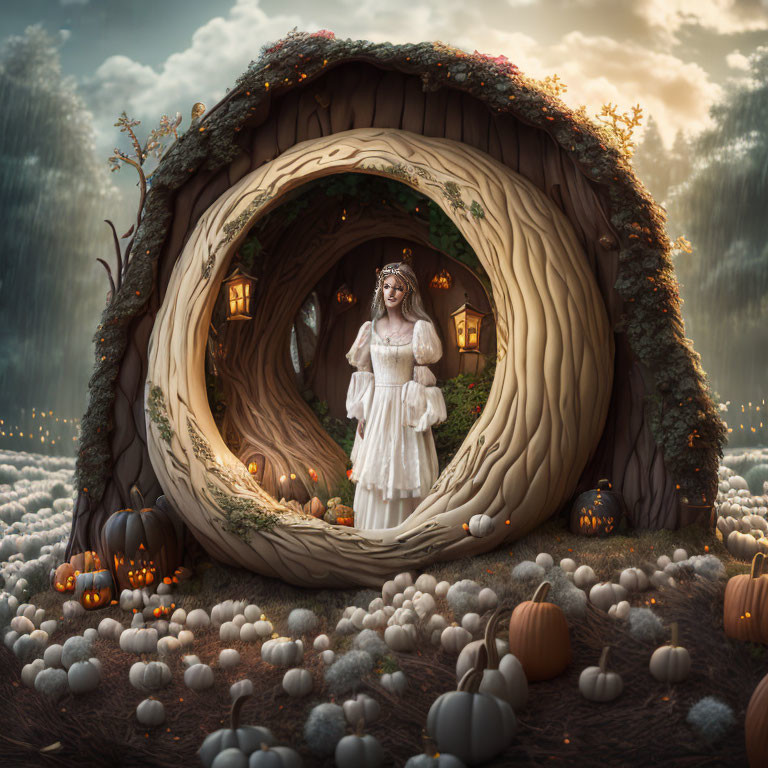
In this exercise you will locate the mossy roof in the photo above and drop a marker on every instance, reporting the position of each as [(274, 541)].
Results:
[(681, 411)]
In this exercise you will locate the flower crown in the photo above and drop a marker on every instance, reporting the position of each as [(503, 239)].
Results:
[(383, 274)]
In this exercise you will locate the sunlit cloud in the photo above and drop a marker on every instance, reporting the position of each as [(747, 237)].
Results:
[(737, 60)]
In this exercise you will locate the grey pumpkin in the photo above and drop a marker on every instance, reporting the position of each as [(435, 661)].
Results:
[(431, 758), (275, 757), (473, 726), (245, 739)]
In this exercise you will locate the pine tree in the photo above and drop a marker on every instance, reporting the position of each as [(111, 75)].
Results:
[(652, 162), (54, 195), (722, 208)]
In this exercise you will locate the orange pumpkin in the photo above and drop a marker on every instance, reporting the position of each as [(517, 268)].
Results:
[(538, 636), (314, 507), (745, 606), (64, 578), (350, 521), (85, 562), (338, 512), (756, 726)]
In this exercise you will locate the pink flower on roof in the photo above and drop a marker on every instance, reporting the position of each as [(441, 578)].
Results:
[(324, 33), (502, 62)]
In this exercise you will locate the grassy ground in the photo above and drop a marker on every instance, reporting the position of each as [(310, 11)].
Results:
[(645, 726)]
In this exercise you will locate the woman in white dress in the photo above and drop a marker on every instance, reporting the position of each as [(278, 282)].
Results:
[(393, 396)]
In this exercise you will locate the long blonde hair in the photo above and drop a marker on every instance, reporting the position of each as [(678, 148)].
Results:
[(412, 306)]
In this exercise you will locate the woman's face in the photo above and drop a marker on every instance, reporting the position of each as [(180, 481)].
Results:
[(393, 291)]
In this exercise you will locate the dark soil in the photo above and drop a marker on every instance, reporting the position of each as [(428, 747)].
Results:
[(645, 726)]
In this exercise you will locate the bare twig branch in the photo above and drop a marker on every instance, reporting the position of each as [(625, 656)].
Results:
[(109, 275), (117, 251)]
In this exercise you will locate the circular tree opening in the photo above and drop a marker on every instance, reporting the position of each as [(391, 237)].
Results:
[(347, 224)]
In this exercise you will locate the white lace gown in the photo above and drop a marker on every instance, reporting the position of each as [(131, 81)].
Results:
[(395, 464)]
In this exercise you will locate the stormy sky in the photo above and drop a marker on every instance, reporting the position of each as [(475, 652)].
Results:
[(676, 58)]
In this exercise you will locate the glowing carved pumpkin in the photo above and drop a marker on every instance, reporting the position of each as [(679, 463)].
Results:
[(64, 578), (94, 589), (140, 544), (597, 512)]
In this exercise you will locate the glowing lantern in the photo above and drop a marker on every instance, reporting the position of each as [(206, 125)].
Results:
[(345, 298), (442, 280), (239, 289), (253, 467), (312, 474), (467, 321)]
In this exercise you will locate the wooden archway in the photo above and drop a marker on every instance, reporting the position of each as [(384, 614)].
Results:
[(522, 458)]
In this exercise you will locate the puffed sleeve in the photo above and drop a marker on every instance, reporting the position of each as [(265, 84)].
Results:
[(423, 402), (360, 392)]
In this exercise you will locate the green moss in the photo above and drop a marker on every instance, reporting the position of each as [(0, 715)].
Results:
[(242, 517), (158, 413), (465, 397), (387, 665)]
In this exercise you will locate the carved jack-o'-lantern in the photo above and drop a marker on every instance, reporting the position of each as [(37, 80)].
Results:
[(597, 512), (64, 578), (94, 589), (140, 544)]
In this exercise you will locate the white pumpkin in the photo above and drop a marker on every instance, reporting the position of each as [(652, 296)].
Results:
[(131, 600), (179, 616), (241, 688), (425, 606), (149, 676), (362, 707), (30, 671), (597, 684), (321, 643), (252, 613), (395, 682), (679, 555), (584, 577), (633, 580), (619, 610), (297, 682), (403, 580), (150, 712), (198, 677), (670, 663), (189, 660), (487, 599), (186, 638), (328, 656), (167, 646), (357, 617), (441, 589), (139, 640), (454, 638), (426, 583), (400, 638), (605, 594), (282, 652), (359, 751), (198, 619), (263, 627), (471, 622), (229, 658), (568, 565), (388, 591), (248, 633), (545, 560), (481, 525), (229, 632), (504, 678)]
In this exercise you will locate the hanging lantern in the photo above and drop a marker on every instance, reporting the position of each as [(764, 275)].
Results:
[(442, 280), (253, 467), (467, 321), (345, 298), (239, 289)]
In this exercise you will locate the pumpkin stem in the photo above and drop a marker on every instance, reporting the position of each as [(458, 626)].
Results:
[(604, 659), (473, 676), (675, 636), (490, 639), (264, 747), (429, 746), (137, 500), (757, 565), (359, 727), (541, 592), (236, 707)]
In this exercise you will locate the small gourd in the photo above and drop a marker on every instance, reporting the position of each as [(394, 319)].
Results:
[(597, 684), (670, 663), (454, 638), (150, 712), (394, 682), (362, 707), (605, 594), (481, 525), (282, 652)]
